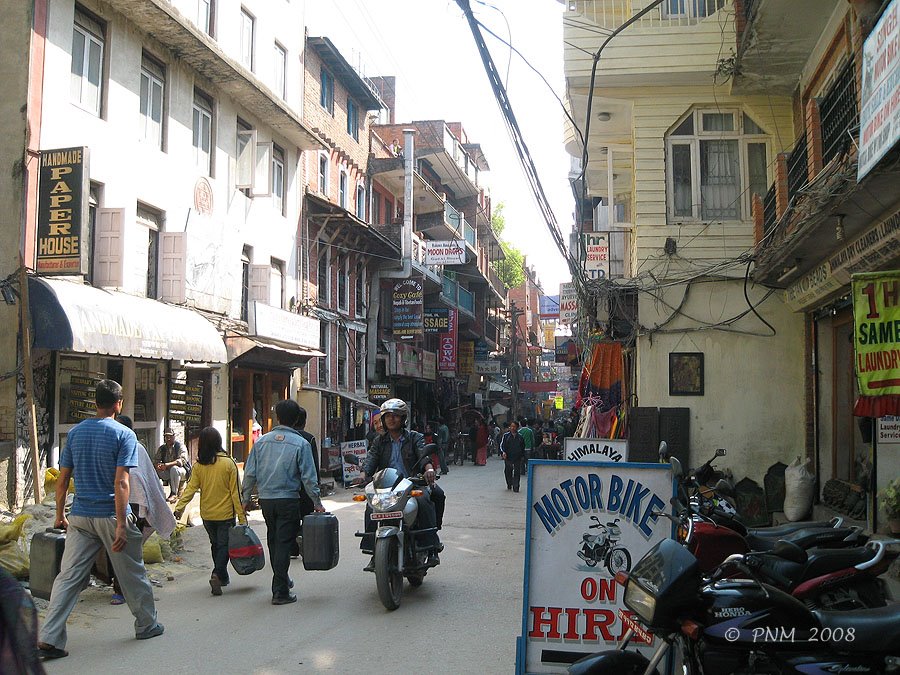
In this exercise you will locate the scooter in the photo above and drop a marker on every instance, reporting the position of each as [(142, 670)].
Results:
[(398, 552), (742, 626), (601, 547)]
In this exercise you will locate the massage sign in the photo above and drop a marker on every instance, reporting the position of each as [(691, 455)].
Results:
[(62, 211), (585, 522)]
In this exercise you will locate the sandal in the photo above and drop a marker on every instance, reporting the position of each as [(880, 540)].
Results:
[(48, 652), (172, 499), (117, 599)]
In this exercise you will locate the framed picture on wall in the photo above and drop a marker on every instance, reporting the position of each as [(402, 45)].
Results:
[(686, 374)]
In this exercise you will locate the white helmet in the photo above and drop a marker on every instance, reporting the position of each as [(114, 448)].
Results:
[(395, 405)]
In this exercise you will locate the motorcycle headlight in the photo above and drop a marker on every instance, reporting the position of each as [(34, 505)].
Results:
[(385, 501), (640, 602)]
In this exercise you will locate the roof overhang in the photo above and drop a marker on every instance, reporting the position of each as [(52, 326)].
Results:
[(254, 352), (358, 88), (345, 228), (69, 316), (451, 174)]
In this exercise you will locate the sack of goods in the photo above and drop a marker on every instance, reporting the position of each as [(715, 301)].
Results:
[(245, 550)]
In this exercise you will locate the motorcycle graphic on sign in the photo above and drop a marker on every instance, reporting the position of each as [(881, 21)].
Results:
[(601, 547)]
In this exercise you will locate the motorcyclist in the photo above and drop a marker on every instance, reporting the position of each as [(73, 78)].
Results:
[(404, 451)]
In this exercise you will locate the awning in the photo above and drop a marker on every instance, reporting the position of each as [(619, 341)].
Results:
[(69, 316), (254, 352)]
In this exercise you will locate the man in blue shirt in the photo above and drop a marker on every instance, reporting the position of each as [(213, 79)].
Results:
[(99, 453), (280, 462)]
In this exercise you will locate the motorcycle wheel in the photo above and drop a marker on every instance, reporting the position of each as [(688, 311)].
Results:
[(387, 573), (618, 560)]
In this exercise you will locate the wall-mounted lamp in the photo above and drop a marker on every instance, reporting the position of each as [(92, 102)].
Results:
[(604, 116), (839, 228)]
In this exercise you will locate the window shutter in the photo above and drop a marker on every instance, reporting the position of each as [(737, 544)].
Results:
[(246, 158), (109, 248), (259, 283), (262, 179), (173, 267)]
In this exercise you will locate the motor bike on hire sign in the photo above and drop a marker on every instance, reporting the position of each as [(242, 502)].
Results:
[(586, 521)]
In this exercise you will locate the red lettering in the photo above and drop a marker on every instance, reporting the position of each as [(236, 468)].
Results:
[(572, 628), (598, 620), (589, 589), (539, 622)]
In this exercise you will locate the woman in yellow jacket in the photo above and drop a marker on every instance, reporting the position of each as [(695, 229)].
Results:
[(216, 476)]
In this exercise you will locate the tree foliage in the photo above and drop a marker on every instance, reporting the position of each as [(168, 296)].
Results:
[(511, 269)]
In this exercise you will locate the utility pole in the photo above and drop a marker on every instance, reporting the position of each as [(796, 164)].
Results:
[(514, 315)]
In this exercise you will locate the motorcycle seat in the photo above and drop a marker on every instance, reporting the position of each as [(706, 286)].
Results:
[(820, 561), (874, 630), (806, 538), (780, 531)]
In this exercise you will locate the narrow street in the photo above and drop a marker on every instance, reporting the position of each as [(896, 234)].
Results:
[(464, 618)]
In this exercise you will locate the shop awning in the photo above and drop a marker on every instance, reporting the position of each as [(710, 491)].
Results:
[(254, 352), (70, 316)]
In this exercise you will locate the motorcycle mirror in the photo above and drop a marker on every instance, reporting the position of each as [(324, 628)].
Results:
[(351, 459), (789, 551), (720, 452), (663, 451), (677, 470)]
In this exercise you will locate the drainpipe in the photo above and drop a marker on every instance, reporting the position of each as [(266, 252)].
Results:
[(405, 253)]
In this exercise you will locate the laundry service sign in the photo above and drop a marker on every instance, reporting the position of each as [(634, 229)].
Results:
[(586, 521)]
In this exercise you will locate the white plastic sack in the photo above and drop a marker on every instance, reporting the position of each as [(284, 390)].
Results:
[(799, 487)]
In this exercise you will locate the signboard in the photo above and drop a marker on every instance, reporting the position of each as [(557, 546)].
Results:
[(488, 368), (596, 261), (379, 392), (571, 608), (63, 199), (407, 296), (566, 350), (429, 366), (408, 360), (548, 306), (82, 397), (879, 119), (358, 448), (889, 429), (876, 318), (481, 350), (595, 449), (437, 320), (445, 252), (186, 403), (466, 357), (568, 303), (447, 346), (558, 402), (284, 326)]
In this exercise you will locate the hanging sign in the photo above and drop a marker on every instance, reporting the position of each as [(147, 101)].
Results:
[(82, 397), (595, 449), (445, 252), (407, 297), (437, 320), (596, 261), (568, 303), (585, 522), (447, 350), (466, 357), (63, 200), (876, 318), (379, 392), (186, 403)]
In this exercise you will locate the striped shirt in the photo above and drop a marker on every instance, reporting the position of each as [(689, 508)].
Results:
[(94, 449)]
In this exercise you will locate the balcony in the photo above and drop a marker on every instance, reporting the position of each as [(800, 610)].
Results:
[(449, 225), (776, 42), (390, 172), (466, 300), (161, 21), (456, 295), (798, 166), (840, 114), (432, 273)]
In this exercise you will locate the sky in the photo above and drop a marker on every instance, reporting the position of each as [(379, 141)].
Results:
[(428, 46)]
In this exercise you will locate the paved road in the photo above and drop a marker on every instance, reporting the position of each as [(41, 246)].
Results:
[(464, 618)]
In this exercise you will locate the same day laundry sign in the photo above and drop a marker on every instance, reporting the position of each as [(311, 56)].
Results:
[(586, 521)]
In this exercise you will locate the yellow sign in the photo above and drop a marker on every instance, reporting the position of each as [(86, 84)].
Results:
[(559, 402), (466, 357), (876, 318)]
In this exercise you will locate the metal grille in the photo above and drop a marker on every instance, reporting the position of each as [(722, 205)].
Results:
[(840, 113), (769, 210), (798, 171)]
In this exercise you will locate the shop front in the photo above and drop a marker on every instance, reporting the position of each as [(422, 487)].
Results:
[(163, 356)]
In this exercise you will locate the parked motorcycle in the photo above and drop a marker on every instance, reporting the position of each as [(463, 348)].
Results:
[(398, 552), (742, 626), (601, 547)]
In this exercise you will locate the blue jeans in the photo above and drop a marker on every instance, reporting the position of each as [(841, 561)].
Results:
[(218, 539)]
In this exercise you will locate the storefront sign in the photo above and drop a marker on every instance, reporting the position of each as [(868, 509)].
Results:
[(488, 367), (549, 333), (549, 306), (186, 403), (437, 320), (572, 602), (408, 361), (407, 297), (879, 119), (481, 350), (358, 448), (558, 402), (595, 449), (429, 366), (445, 252), (596, 261), (889, 429), (568, 303), (875, 247), (466, 357), (278, 324), (63, 199), (447, 351), (566, 350), (876, 318), (82, 397), (380, 392)]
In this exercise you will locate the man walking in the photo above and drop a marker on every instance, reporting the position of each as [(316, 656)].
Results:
[(98, 453), (279, 464), (512, 449), (443, 442)]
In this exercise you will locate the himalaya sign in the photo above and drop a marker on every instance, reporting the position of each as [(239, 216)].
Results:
[(596, 450)]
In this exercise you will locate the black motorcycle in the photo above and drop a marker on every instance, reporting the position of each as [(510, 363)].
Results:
[(601, 547), (741, 626)]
